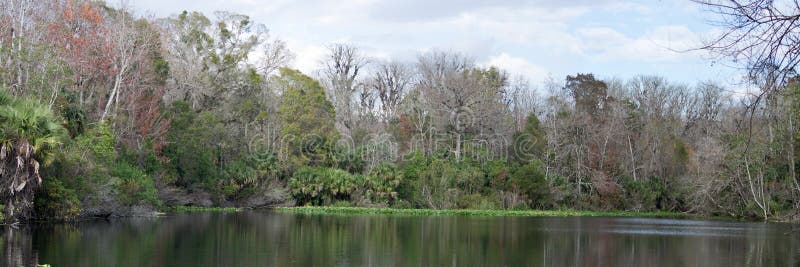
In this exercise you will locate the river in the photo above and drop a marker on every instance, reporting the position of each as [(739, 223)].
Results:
[(274, 238)]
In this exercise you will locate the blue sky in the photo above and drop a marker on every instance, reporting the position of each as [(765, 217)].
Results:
[(535, 38)]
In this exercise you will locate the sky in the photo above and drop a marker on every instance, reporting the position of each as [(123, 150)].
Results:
[(534, 39)]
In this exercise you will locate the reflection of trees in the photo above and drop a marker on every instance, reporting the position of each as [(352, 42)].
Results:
[(281, 239), (17, 248)]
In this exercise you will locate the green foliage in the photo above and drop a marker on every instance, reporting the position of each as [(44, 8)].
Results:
[(236, 175), (73, 113), (468, 212), (325, 186), (90, 172), (562, 191), (101, 142), (383, 182), (134, 186), (26, 121), (147, 158), (441, 182), (682, 152), (530, 143), (77, 170), (265, 163), (321, 186), (227, 110), (57, 202), (194, 148), (476, 202), (341, 204), (642, 194), (350, 160), (161, 67), (530, 180), (241, 177), (307, 119), (202, 209), (29, 137), (5, 98), (413, 164), (588, 93), (498, 172)]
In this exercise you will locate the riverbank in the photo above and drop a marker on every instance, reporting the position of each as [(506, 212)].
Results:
[(523, 213)]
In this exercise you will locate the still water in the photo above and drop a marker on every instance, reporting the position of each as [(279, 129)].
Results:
[(269, 238)]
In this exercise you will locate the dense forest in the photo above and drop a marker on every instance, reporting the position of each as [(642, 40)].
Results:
[(105, 113)]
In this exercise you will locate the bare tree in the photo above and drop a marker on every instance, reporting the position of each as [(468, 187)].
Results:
[(341, 68), (764, 34), (276, 55), (522, 100), (390, 81), (123, 38), (464, 99)]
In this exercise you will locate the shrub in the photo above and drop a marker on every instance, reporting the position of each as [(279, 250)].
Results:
[(349, 159), (408, 189), (476, 202), (642, 194), (242, 177), (323, 186), (100, 141), (134, 186), (265, 164), (54, 201), (562, 190), (383, 182), (88, 172), (342, 204), (320, 185), (194, 146), (442, 181), (237, 175), (498, 173), (530, 180)]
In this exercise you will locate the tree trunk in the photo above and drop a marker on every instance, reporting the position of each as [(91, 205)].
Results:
[(9, 210), (458, 147), (792, 167), (753, 190), (633, 159), (111, 97)]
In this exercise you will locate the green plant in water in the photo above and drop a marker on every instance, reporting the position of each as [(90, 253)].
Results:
[(466, 212), (202, 209)]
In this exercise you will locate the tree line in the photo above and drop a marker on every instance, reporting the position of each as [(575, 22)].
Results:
[(107, 113)]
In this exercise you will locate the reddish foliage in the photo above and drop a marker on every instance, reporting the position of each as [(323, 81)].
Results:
[(86, 37), (78, 37)]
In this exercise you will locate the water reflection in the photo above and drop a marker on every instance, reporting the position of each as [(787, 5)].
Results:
[(264, 238)]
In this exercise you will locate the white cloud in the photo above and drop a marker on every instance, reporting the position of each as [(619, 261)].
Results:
[(609, 37), (668, 43), (542, 28), (629, 6), (307, 57), (518, 66)]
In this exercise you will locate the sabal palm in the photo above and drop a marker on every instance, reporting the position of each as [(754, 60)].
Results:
[(29, 134)]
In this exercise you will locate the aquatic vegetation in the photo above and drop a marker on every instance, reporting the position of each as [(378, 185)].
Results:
[(432, 212), (202, 209)]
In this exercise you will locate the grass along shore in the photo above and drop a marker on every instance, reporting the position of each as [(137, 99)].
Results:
[(522, 213), (201, 209)]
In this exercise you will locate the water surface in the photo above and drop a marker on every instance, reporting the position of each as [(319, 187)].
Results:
[(269, 238)]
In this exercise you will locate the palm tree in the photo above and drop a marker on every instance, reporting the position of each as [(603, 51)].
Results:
[(29, 134)]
